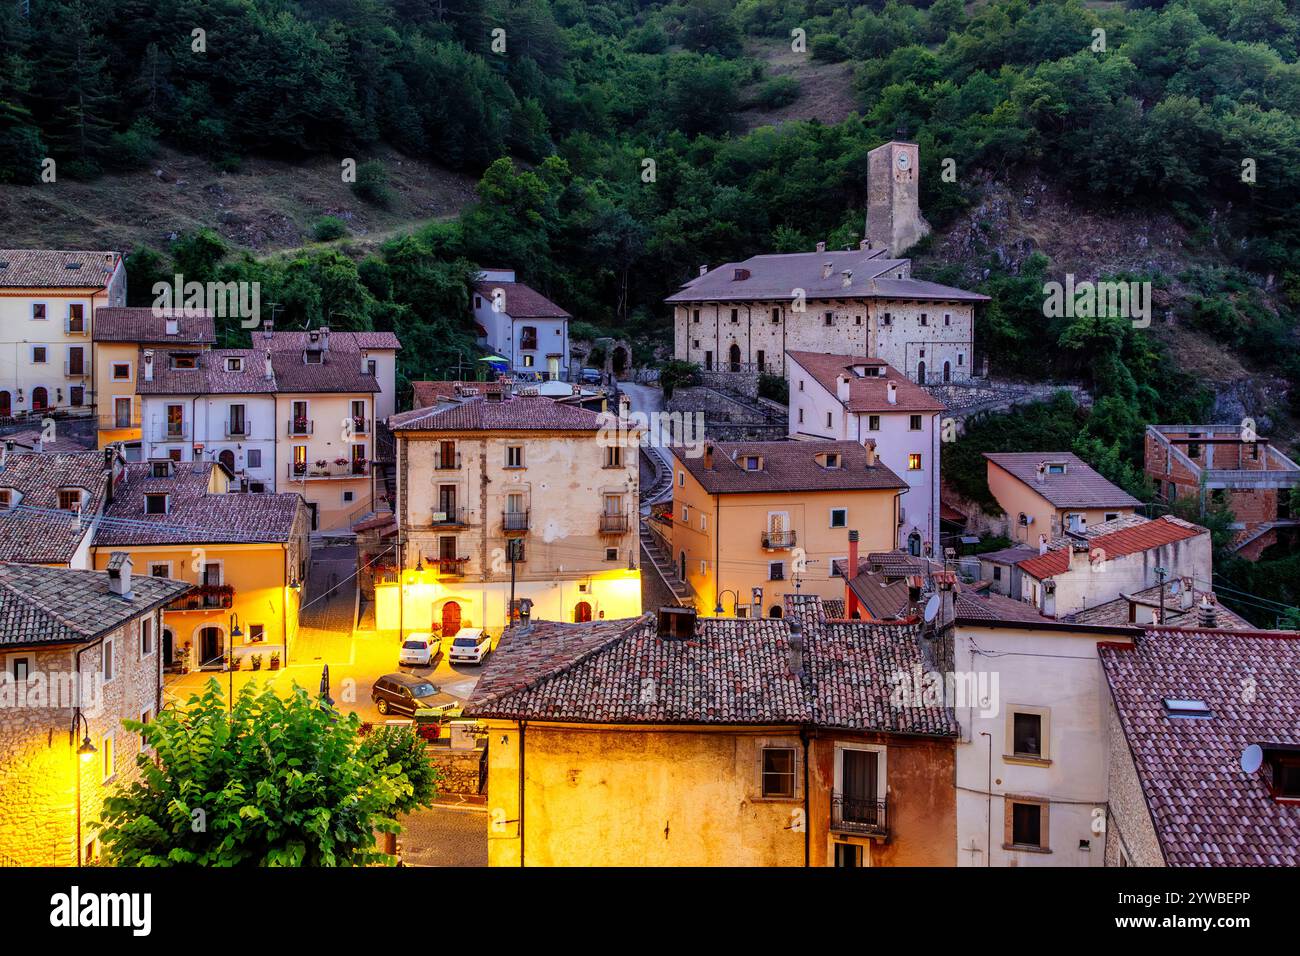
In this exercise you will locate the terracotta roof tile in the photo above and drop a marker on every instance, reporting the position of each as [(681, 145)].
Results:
[(522, 302), (35, 530), (867, 393), (514, 414), (788, 466), (1206, 810), (1142, 536), (48, 268), (114, 324), (1079, 487)]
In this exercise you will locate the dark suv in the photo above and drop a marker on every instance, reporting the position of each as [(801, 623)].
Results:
[(406, 693)]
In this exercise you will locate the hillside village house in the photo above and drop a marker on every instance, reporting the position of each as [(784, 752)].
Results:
[(1226, 706), (1225, 465), (521, 325), (754, 521), (633, 743), (246, 556), (80, 655), (48, 301), (1118, 557), (1051, 493), (1032, 754), (119, 334), (746, 316), (855, 398), (51, 503), (278, 417), (508, 489)]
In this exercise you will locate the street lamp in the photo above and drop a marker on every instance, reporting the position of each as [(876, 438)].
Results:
[(718, 607), (230, 665), (86, 751)]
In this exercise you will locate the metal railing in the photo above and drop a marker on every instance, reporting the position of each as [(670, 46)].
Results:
[(452, 567), (205, 597), (778, 539), (113, 420), (168, 432), (446, 463), (360, 425), (448, 516), (854, 815), (236, 429), (300, 426), (75, 370), (613, 524), (77, 327), (514, 520), (307, 471)]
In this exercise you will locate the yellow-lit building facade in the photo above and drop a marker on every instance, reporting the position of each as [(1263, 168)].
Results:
[(522, 495), (776, 516), (325, 453), (246, 555)]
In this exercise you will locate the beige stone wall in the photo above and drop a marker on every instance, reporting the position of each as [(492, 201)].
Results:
[(1129, 825), (38, 762)]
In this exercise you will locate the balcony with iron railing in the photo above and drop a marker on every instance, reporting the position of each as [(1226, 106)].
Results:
[(778, 540), (170, 431), (73, 369), (451, 567), (110, 420), (443, 462), (300, 426), (236, 429), (448, 517), (205, 597), (323, 470), (854, 815), (514, 522), (360, 425), (73, 326), (614, 524)]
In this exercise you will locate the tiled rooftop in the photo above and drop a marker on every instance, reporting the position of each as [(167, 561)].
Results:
[(1208, 811), (515, 414), (1130, 537), (1079, 487), (1117, 611), (40, 605), (35, 530), (338, 371), (143, 325), (867, 393), (788, 466), (49, 268), (521, 302)]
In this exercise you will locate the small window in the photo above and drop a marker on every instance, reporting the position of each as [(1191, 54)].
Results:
[(704, 521), (256, 633), (160, 569), (681, 479), (753, 463), (1186, 707), (829, 420), (20, 667), (925, 319), (857, 320), (528, 361), (839, 517), (254, 457), (514, 456), (776, 316), (695, 315), (69, 499), (914, 423), (947, 318), (735, 316), (110, 758), (686, 513), (873, 423), (38, 311), (107, 660), (6, 498), (801, 416), (779, 773), (776, 571), (830, 318), (1026, 824), (160, 469), (312, 356), (121, 371), (1027, 735), (146, 637), (832, 460), (1111, 515), (887, 319), (347, 497), (1056, 468), (611, 554), (155, 504), (38, 354), (185, 360), (146, 718), (614, 456), (914, 461), (234, 364)]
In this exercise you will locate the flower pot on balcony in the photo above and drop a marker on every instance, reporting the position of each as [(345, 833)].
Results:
[(275, 661), (256, 661)]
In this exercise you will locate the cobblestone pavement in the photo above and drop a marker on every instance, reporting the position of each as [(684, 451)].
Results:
[(443, 836)]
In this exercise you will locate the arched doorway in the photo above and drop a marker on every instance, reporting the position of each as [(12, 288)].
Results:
[(618, 359), (914, 544), (212, 645), (227, 458), (40, 398), (582, 612), (920, 373), (734, 357), (6, 405), (774, 611), (450, 619), (947, 371)]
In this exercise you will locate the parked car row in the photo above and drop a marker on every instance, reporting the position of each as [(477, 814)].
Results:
[(471, 645)]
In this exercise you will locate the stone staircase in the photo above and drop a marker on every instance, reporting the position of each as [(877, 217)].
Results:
[(654, 554)]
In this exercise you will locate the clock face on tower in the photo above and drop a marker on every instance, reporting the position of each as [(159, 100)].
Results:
[(904, 161)]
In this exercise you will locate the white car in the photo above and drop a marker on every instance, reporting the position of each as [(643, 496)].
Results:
[(419, 650), (470, 645)]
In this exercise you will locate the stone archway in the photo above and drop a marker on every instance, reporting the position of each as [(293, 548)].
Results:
[(618, 358)]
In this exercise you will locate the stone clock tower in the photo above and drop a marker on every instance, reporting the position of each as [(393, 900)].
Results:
[(894, 219)]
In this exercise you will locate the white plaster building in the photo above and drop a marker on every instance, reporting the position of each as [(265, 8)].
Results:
[(855, 398), (522, 325)]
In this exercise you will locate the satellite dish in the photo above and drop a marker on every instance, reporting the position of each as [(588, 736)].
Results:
[(931, 608), (1251, 758)]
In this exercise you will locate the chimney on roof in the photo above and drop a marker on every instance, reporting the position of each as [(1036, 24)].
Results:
[(827, 268), (864, 245), (821, 247), (1042, 544), (148, 365), (324, 338), (119, 574), (268, 329), (891, 392), (850, 572), (846, 279), (842, 388), (1186, 594), (1207, 614), (1078, 555), (794, 649), (173, 325), (1040, 473), (708, 456), (269, 371), (704, 269), (869, 446), (1049, 598)]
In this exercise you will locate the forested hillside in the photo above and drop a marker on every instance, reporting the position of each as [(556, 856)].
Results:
[(615, 150)]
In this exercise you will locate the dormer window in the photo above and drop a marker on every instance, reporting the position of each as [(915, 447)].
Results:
[(185, 360), (234, 364), (160, 469), (1282, 769), (829, 459), (69, 499), (1056, 468), (155, 504), (1187, 707), (312, 356), (752, 463), (8, 498)]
